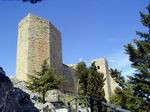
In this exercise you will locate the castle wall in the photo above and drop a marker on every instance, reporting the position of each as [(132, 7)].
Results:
[(55, 49), (114, 85), (38, 43), (38, 40), (22, 49), (70, 83)]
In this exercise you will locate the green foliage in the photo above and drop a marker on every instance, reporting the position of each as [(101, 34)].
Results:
[(91, 83), (44, 80), (136, 95), (95, 86), (139, 55), (126, 99), (95, 83), (82, 76)]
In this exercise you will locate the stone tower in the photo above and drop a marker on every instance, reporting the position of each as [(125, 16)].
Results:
[(38, 40), (109, 84)]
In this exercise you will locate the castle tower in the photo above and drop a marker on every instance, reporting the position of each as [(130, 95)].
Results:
[(38, 40), (109, 84)]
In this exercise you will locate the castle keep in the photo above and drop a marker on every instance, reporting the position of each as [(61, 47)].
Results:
[(38, 39)]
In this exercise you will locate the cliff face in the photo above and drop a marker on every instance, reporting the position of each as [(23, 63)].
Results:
[(13, 99)]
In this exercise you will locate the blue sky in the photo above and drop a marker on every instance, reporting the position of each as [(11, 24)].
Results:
[(90, 29)]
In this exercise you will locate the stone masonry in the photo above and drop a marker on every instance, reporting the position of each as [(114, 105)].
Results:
[(102, 67), (38, 39), (110, 84)]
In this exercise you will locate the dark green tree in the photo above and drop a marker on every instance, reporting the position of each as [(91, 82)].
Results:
[(82, 76), (125, 98), (95, 85), (32, 1), (44, 80), (139, 55), (136, 95)]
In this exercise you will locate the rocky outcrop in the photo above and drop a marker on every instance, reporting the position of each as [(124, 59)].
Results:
[(13, 99), (47, 107)]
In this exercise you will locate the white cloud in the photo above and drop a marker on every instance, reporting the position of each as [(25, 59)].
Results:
[(121, 62), (80, 59), (111, 60)]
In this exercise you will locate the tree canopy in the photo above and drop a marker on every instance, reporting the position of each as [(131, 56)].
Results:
[(91, 84), (44, 80), (139, 55), (32, 1), (136, 95)]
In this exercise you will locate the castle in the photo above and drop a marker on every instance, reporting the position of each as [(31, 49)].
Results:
[(38, 39)]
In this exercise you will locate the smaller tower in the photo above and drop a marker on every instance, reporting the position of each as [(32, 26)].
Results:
[(109, 84)]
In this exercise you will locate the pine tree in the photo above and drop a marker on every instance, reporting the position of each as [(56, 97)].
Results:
[(44, 80), (139, 55), (82, 76), (136, 94), (125, 98), (95, 84)]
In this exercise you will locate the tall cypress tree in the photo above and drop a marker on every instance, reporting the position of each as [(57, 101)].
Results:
[(95, 83), (139, 55), (95, 88), (82, 76)]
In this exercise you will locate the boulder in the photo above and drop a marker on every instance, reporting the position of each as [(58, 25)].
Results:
[(47, 107), (53, 95), (16, 97), (5, 87), (13, 99), (22, 85)]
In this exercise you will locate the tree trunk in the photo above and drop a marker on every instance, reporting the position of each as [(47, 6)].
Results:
[(43, 97)]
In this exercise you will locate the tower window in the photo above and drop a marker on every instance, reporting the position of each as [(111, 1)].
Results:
[(98, 67)]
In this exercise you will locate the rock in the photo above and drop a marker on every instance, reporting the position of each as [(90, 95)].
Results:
[(47, 107), (53, 95), (13, 99), (5, 87), (18, 101), (22, 85)]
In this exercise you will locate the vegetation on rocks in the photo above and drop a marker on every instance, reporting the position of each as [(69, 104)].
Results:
[(44, 80)]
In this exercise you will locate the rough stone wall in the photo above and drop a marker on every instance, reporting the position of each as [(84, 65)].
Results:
[(55, 49), (38, 43), (22, 49), (114, 85), (38, 40), (69, 75)]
